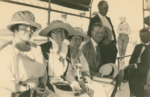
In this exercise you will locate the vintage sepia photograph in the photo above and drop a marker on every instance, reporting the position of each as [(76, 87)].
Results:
[(74, 48)]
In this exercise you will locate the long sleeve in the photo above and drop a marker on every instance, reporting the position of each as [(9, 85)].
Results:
[(7, 77), (85, 69), (90, 60), (135, 55), (70, 77)]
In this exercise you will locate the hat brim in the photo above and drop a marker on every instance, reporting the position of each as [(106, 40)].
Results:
[(36, 25), (113, 68), (106, 69), (51, 27), (76, 33), (147, 20)]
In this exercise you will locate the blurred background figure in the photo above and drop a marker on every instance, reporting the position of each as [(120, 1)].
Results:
[(123, 38)]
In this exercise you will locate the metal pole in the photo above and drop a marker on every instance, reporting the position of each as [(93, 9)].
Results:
[(91, 8), (143, 15), (49, 10), (90, 12), (43, 8)]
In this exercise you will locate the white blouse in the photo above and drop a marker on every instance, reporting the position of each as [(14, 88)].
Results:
[(124, 28), (57, 62), (17, 66)]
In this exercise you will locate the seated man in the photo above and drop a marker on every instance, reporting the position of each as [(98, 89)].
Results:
[(91, 50), (137, 70), (92, 54)]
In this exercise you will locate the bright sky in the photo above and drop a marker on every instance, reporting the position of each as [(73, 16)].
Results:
[(132, 9)]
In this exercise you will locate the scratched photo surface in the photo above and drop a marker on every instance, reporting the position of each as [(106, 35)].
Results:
[(133, 10)]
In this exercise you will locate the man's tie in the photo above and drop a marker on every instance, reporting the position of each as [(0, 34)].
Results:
[(98, 56)]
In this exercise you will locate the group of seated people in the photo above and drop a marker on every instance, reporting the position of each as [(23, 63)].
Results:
[(57, 62), (28, 69)]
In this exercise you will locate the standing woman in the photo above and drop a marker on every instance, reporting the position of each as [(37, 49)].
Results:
[(123, 38), (21, 61)]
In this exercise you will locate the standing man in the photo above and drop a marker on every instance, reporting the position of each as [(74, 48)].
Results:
[(108, 47), (139, 64)]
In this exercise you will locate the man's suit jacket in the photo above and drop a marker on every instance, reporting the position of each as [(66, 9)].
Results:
[(145, 58), (89, 53), (137, 77), (96, 19)]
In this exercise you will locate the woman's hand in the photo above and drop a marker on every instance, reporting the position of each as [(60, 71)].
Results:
[(87, 79), (39, 91), (43, 92), (75, 86)]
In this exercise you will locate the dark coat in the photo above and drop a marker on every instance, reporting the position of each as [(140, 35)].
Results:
[(137, 77), (109, 52), (89, 53)]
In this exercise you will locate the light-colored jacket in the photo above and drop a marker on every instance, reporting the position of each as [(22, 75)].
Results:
[(70, 75), (17, 66)]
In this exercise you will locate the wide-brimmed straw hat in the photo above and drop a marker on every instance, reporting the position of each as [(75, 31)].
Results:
[(109, 69), (55, 25), (79, 32), (24, 17)]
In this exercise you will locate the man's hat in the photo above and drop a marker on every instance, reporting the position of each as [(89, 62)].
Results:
[(109, 69)]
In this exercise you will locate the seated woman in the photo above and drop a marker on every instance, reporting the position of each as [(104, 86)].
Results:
[(21, 61), (78, 61), (55, 50), (77, 58)]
